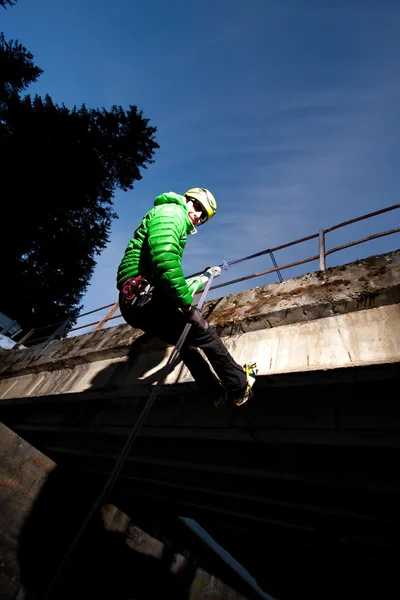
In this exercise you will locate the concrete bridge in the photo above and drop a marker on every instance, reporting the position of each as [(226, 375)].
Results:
[(301, 485)]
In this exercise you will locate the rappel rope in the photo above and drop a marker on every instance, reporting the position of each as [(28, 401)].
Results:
[(224, 266), (128, 444)]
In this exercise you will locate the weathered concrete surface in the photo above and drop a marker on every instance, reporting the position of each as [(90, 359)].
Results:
[(348, 316), (23, 472), (363, 338), (361, 285)]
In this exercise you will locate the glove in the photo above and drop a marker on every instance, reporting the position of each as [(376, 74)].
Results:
[(194, 316), (216, 271)]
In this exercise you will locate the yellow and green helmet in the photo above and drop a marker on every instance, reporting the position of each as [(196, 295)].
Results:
[(205, 198)]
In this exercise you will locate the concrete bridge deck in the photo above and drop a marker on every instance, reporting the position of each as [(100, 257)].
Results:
[(304, 479)]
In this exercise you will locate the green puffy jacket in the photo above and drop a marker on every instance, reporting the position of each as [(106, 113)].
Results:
[(156, 249)]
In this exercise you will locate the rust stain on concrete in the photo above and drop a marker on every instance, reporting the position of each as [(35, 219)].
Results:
[(9, 484)]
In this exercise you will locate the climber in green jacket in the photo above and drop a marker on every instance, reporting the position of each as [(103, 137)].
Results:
[(156, 297)]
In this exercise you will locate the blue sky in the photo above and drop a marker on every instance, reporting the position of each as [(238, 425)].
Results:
[(287, 111)]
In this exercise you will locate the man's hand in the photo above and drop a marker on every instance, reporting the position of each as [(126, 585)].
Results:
[(195, 317), (209, 272)]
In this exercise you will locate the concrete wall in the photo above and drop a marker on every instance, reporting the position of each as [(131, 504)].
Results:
[(23, 472), (347, 316)]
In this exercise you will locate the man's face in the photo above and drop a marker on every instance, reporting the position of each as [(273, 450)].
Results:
[(195, 212)]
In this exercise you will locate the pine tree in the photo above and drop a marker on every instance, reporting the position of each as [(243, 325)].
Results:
[(4, 3), (60, 169)]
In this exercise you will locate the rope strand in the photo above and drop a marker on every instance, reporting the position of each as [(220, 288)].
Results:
[(126, 448)]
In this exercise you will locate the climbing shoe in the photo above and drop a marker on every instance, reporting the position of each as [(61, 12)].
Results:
[(251, 371)]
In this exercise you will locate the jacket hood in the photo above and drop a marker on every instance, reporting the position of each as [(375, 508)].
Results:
[(173, 198)]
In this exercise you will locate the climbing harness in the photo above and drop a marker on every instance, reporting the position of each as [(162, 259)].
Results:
[(137, 290)]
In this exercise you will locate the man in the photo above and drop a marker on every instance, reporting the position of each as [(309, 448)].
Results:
[(152, 261)]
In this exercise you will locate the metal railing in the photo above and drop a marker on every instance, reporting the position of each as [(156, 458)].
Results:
[(62, 326)]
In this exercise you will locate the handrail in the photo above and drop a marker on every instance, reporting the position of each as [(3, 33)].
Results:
[(323, 253), (246, 277), (306, 260), (367, 216), (362, 240)]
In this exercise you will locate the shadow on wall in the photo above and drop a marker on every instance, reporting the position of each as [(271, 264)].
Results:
[(136, 377), (102, 565), (144, 365)]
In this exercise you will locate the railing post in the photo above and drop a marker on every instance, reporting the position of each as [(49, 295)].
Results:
[(276, 266), (106, 317), (25, 338), (322, 258)]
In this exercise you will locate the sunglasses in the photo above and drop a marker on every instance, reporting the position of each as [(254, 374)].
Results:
[(198, 208)]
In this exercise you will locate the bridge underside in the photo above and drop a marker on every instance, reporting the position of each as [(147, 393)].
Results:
[(301, 485)]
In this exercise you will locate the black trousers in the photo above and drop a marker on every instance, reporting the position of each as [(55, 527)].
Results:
[(159, 318)]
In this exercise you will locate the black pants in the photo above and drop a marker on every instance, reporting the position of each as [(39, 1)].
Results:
[(161, 319)]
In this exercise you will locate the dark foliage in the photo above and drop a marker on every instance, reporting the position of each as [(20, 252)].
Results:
[(60, 169), (6, 3)]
